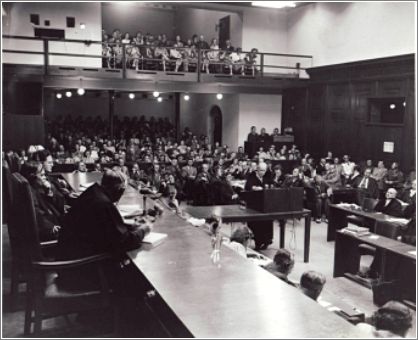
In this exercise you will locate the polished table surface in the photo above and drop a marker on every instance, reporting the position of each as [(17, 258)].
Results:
[(334, 223), (235, 299), (235, 213)]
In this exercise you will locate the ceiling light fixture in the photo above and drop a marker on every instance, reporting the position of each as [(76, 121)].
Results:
[(82, 26), (159, 99), (273, 4), (59, 95), (186, 97), (68, 94), (131, 95), (156, 94), (81, 91), (219, 96)]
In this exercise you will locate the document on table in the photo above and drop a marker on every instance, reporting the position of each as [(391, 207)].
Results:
[(128, 211), (397, 220)]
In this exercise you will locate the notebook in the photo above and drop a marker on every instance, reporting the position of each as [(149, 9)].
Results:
[(153, 240)]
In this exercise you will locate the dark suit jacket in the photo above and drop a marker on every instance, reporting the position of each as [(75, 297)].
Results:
[(252, 137), (94, 225), (253, 180), (372, 189), (394, 208)]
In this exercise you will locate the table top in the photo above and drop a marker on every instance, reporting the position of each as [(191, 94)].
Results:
[(383, 242), (371, 215), (235, 213), (235, 299)]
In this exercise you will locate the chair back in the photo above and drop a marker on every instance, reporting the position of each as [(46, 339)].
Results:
[(369, 204), (7, 191), (387, 229), (25, 228)]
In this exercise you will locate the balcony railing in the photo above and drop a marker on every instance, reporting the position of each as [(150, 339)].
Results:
[(129, 59)]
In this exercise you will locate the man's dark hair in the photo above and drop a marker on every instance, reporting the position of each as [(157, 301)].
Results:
[(394, 317), (283, 261), (311, 283)]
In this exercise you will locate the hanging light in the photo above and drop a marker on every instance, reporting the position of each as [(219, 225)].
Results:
[(219, 96), (131, 95), (68, 94), (186, 97), (156, 94), (159, 99), (81, 91), (392, 106), (59, 95)]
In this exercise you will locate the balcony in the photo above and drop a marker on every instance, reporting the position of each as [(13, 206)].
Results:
[(58, 61)]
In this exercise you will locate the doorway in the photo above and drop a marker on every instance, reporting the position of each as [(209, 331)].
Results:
[(224, 31), (215, 125)]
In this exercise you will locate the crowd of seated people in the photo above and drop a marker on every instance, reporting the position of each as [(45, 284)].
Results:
[(149, 52), (194, 171)]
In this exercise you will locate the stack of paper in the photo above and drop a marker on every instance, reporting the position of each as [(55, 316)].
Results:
[(153, 239), (129, 211)]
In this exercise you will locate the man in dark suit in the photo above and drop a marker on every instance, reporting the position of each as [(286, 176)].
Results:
[(354, 180), (94, 225), (367, 187), (262, 230), (390, 205), (253, 135)]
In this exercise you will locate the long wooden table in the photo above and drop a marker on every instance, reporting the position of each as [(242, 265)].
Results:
[(337, 218), (234, 300), (234, 213)]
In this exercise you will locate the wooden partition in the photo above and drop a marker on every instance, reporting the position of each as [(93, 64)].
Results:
[(20, 131), (331, 112)]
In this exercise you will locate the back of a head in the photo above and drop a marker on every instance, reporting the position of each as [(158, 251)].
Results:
[(283, 261), (241, 235), (311, 283), (394, 317), (114, 183)]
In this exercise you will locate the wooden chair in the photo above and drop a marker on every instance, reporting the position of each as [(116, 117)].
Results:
[(45, 298)]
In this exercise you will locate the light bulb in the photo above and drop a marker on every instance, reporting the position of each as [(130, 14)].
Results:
[(131, 95), (59, 95), (156, 94), (219, 96), (81, 91), (392, 106), (68, 94), (159, 99), (186, 97)]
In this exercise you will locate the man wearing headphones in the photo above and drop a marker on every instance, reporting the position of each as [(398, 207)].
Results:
[(94, 225)]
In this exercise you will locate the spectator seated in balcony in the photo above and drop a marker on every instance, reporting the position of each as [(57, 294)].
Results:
[(251, 62), (138, 39), (161, 53), (117, 50), (126, 38), (212, 56), (133, 57)]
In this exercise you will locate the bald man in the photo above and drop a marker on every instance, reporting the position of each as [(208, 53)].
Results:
[(262, 230)]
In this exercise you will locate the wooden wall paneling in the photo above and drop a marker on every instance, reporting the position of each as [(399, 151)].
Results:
[(316, 129), (391, 88), (409, 140), (294, 114)]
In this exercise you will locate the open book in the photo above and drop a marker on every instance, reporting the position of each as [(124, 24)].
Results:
[(153, 240)]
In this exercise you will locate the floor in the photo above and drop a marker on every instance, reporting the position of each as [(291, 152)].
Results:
[(321, 259)]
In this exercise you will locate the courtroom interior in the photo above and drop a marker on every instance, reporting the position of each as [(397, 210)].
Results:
[(208, 169)]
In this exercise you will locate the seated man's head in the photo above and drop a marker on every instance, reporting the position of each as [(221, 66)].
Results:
[(311, 283), (283, 261), (261, 169), (114, 183), (241, 235), (391, 193), (394, 317)]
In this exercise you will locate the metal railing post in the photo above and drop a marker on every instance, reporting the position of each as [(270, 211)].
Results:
[(199, 63), (46, 56), (262, 65), (123, 61)]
